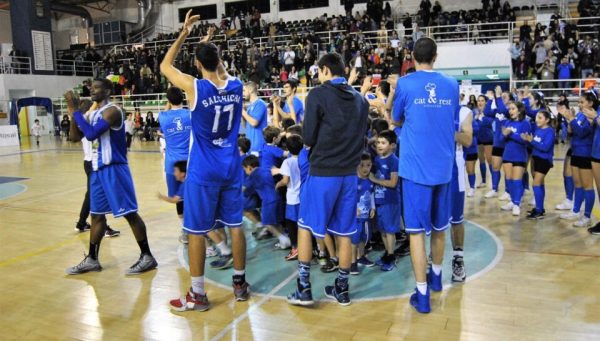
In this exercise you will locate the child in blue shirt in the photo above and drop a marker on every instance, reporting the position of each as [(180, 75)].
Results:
[(515, 156), (271, 155), (542, 142), (260, 182), (365, 211), (387, 196)]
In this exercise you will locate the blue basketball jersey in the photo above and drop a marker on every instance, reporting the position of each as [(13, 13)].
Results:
[(429, 103), (111, 146), (214, 156), (176, 126)]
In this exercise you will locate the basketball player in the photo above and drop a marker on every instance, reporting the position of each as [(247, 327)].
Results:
[(428, 102), (213, 189), (111, 185), (82, 224), (328, 198), (464, 138)]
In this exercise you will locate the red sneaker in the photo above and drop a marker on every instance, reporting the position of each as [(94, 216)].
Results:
[(191, 301), (293, 255)]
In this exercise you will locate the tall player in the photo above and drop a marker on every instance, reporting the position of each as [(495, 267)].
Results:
[(328, 197), (428, 102), (213, 188), (111, 184)]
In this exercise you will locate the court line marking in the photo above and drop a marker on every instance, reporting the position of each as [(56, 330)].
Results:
[(38, 252), (24, 189), (253, 307), (69, 150), (478, 274)]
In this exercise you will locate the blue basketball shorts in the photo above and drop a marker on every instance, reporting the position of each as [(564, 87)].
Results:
[(291, 212), (112, 191), (328, 204), (457, 201), (363, 232), (426, 207), (207, 206), (268, 213), (388, 218)]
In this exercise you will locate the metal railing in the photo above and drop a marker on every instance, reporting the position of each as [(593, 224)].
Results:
[(149, 32), (75, 68), (164, 43), (15, 65), (552, 88)]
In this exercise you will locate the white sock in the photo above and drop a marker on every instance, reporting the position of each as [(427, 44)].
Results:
[(422, 287), (458, 253), (198, 285), (283, 239), (437, 269), (223, 248), (239, 272)]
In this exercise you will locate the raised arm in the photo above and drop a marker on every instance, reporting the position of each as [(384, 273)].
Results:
[(176, 77), (465, 135)]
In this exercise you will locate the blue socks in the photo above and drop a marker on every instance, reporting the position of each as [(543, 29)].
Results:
[(495, 179), (526, 180), (342, 279), (538, 193), (304, 273), (569, 186), (590, 197), (472, 180), (579, 197), (517, 191), (482, 170)]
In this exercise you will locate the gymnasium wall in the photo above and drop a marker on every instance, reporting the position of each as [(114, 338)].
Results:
[(463, 54), (5, 28), (40, 85)]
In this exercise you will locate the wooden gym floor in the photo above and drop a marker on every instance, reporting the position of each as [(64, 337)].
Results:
[(545, 285)]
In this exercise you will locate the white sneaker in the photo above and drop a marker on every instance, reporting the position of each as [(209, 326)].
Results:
[(532, 202), (570, 215), (508, 206), (470, 192), (482, 185), (566, 205), (504, 197), (516, 210), (211, 252), (491, 194), (284, 243), (583, 222)]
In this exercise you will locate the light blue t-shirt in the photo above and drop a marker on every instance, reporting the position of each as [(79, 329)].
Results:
[(176, 126), (298, 107), (258, 111), (429, 103)]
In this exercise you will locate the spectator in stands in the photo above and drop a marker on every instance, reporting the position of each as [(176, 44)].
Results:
[(515, 53), (525, 31), (546, 72), (522, 70), (288, 58), (565, 70), (587, 55)]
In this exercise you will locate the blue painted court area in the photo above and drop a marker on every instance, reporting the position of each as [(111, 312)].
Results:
[(267, 268), (8, 190), (7, 179)]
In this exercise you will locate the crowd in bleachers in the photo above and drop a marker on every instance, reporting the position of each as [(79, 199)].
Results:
[(556, 52)]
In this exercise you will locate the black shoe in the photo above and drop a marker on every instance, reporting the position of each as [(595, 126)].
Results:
[(595, 230), (341, 295), (354, 269), (82, 227), (330, 266), (403, 249), (535, 214), (111, 233)]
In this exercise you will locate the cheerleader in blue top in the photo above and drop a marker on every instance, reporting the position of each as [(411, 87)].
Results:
[(534, 102), (542, 142), (515, 155), (581, 161), (485, 139), (569, 185), (592, 97), (496, 108), (470, 158)]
